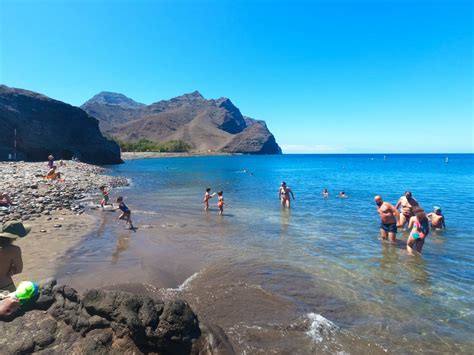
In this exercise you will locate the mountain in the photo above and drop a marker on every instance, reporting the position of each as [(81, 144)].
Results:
[(206, 125), (45, 126)]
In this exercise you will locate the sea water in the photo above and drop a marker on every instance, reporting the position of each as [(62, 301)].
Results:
[(320, 260)]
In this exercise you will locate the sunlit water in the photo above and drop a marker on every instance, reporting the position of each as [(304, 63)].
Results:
[(321, 258)]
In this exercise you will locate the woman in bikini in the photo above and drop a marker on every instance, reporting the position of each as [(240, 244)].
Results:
[(408, 205), (284, 195), (420, 228)]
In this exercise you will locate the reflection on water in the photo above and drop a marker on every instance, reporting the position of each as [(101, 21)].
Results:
[(122, 245), (323, 256)]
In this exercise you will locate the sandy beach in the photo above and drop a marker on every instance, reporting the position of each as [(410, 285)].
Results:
[(56, 210), (51, 237)]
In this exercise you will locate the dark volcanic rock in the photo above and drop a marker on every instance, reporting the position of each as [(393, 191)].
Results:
[(103, 322), (47, 126), (206, 125)]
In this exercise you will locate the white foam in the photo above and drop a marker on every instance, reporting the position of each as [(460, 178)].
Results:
[(320, 327), (184, 286)]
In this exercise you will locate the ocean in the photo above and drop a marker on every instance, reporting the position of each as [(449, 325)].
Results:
[(315, 278)]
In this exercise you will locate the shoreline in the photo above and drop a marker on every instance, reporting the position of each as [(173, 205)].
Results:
[(153, 155), (57, 211)]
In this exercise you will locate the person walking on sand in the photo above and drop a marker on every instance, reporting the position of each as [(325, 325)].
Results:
[(207, 197), (11, 262), (284, 195), (126, 214), (220, 202), (437, 219), (407, 204), (389, 217), (420, 228)]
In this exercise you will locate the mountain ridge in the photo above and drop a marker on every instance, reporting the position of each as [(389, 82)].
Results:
[(207, 125)]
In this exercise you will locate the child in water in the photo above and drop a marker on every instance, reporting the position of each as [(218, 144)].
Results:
[(126, 214), (105, 197), (207, 197), (220, 202)]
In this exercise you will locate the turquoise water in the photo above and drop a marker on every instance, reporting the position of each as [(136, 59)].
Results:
[(323, 256)]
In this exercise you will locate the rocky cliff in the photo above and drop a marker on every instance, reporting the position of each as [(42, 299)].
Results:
[(206, 125), (60, 321), (45, 126)]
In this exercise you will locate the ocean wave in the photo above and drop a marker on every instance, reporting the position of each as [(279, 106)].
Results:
[(320, 327)]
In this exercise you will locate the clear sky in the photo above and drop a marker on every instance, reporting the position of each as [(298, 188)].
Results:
[(327, 76)]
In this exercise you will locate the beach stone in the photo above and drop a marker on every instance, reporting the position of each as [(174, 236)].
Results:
[(57, 226), (61, 321)]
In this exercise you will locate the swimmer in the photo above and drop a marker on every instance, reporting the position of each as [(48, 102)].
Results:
[(420, 228), (325, 193), (207, 197), (105, 197), (284, 195), (342, 194), (388, 216), (220, 202), (126, 214), (407, 204), (437, 219)]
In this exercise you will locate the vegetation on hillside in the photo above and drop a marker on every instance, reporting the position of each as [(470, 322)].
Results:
[(145, 145)]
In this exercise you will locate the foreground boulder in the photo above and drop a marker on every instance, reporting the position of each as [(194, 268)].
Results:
[(100, 322), (45, 126)]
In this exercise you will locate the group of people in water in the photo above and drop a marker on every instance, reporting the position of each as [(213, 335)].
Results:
[(419, 222)]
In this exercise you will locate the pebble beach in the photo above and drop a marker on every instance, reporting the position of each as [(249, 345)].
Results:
[(32, 196)]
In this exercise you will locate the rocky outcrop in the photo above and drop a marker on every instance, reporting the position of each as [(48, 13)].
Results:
[(60, 321), (45, 126), (206, 125)]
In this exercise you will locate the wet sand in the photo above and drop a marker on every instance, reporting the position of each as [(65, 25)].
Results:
[(44, 248)]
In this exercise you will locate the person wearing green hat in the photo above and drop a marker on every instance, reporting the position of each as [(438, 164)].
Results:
[(11, 262)]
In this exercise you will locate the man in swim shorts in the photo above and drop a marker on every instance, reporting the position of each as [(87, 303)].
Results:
[(408, 204), (388, 216)]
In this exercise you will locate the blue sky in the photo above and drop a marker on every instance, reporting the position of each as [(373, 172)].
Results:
[(327, 76)]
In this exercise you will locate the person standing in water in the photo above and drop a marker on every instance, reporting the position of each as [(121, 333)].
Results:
[(220, 202), (284, 195), (389, 217), (437, 219), (207, 197), (408, 205), (420, 228), (325, 193), (342, 194)]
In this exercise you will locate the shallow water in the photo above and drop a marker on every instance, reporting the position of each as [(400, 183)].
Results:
[(265, 274)]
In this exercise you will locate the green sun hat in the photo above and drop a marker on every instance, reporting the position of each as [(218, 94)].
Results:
[(14, 229)]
